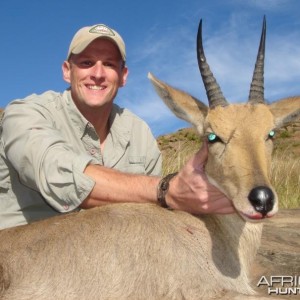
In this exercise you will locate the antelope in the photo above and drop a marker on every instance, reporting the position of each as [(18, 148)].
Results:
[(144, 251)]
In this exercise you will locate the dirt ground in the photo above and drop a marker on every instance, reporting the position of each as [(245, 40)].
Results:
[(279, 254)]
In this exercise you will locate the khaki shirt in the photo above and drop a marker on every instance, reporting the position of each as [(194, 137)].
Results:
[(45, 146)]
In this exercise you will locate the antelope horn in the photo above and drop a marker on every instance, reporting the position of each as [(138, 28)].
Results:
[(213, 91), (256, 94)]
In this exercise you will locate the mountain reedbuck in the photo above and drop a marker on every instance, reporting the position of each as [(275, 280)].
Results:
[(143, 251)]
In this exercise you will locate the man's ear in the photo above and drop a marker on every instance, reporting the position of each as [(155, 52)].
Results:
[(124, 76), (66, 71)]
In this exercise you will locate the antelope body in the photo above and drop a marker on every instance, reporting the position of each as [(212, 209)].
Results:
[(143, 251)]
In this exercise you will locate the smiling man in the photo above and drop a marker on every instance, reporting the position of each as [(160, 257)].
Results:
[(61, 152)]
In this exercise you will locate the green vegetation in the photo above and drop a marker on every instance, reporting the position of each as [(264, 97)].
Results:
[(285, 134)]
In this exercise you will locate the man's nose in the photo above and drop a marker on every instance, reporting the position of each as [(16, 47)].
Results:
[(98, 70)]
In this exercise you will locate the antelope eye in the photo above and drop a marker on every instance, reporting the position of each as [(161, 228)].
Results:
[(271, 134), (212, 138)]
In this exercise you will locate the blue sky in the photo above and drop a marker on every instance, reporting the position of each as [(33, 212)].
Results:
[(160, 37)]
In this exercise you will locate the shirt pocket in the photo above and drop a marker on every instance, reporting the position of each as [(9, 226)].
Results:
[(136, 164)]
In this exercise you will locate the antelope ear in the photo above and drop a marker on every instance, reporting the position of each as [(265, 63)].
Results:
[(183, 105), (286, 110)]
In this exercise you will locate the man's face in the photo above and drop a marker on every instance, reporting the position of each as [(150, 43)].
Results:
[(95, 75)]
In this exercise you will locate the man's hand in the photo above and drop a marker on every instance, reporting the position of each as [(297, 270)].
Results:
[(191, 191)]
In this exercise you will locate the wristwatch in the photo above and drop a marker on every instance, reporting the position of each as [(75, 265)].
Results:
[(163, 188)]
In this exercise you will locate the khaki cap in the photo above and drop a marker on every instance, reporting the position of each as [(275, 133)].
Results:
[(86, 35)]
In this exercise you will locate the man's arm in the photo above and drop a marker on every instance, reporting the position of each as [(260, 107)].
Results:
[(112, 186), (189, 190)]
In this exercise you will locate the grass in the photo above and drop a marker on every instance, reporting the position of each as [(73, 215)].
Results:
[(285, 177), (285, 169), (177, 148), (175, 158)]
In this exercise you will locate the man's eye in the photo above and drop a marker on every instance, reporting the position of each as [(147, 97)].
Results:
[(86, 63), (109, 64)]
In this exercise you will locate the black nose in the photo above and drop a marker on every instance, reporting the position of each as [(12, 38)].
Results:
[(262, 199)]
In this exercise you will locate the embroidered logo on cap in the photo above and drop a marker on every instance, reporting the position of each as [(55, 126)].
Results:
[(102, 29)]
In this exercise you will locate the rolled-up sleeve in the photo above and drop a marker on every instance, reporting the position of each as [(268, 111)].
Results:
[(44, 160)]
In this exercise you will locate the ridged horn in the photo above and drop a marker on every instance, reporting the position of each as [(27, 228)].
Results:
[(213, 91), (256, 94)]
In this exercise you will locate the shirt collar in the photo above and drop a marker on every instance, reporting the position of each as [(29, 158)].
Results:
[(119, 121), (79, 121)]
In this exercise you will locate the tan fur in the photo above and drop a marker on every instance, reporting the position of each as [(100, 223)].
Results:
[(244, 129), (123, 251)]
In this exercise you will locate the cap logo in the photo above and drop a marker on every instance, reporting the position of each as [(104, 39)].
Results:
[(102, 29)]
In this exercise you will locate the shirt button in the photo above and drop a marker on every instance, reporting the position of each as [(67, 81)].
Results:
[(93, 151)]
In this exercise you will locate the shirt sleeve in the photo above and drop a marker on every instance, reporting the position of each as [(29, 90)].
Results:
[(44, 160)]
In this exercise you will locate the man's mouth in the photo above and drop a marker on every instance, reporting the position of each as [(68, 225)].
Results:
[(95, 87)]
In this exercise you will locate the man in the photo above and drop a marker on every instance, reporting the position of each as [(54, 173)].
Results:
[(63, 152)]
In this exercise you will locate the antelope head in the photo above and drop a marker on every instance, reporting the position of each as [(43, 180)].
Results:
[(239, 135)]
